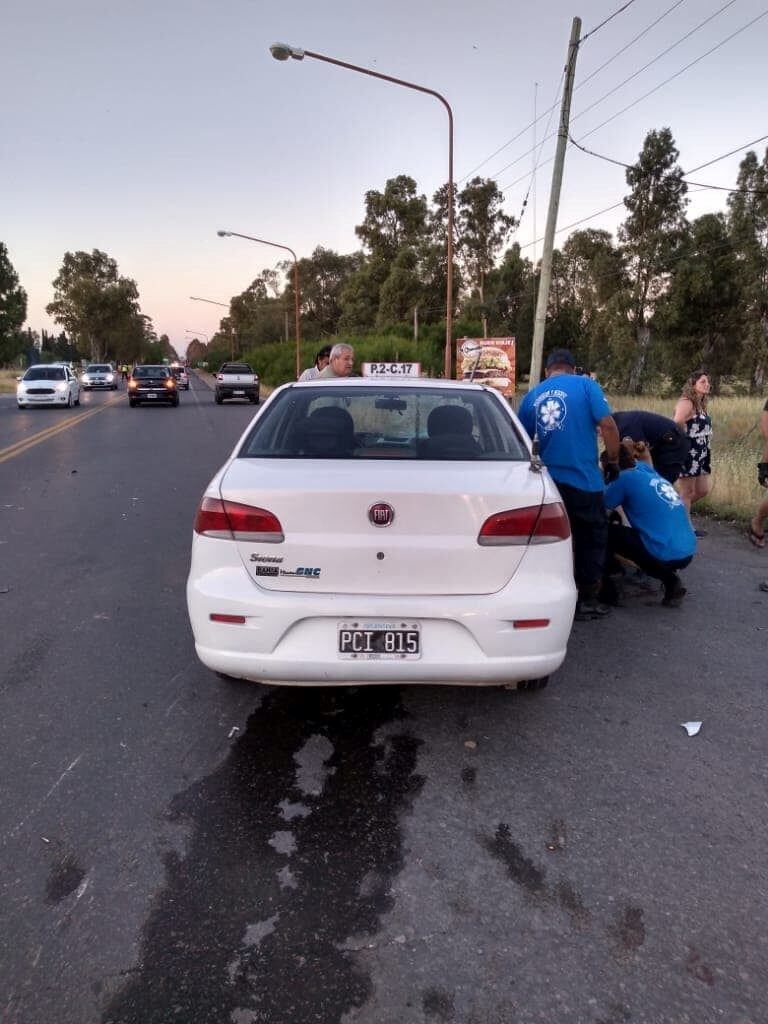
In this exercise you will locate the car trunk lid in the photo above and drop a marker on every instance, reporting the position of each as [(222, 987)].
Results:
[(332, 546)]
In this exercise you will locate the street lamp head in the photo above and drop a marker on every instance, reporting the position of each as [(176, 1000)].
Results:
[(223, 234), (282, 51)]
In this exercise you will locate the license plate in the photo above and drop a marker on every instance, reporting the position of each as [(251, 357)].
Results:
[(238, 392), (151, 394), (379, 641)]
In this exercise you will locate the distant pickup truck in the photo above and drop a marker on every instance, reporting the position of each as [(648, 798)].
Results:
[(236, 380)]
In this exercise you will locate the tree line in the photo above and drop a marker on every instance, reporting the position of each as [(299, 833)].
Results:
[(665, 295), (97, 307)]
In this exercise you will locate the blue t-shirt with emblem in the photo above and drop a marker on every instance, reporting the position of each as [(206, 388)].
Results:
[(564, 410), (653, 507)]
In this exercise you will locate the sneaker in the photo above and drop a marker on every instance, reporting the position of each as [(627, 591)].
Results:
[(590, 608), (674, 593)]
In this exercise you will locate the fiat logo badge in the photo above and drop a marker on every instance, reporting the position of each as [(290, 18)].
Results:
[(381, 514)]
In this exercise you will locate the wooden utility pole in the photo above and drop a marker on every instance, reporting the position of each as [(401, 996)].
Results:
[(554, 203), (416, 324)]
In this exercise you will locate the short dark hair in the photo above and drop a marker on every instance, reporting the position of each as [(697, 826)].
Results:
[(323, 353), (560, 357)]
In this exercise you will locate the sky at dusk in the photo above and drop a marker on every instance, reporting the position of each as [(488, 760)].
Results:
[(142, 128)]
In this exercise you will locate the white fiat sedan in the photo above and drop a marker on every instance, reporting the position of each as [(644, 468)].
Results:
[(382, 531), (47, 384)]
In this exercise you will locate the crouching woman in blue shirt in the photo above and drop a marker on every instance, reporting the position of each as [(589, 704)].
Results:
[(659, 539)]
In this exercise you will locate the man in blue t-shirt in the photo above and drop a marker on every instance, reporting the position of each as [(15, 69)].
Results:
[(659, 539), (564, 412)]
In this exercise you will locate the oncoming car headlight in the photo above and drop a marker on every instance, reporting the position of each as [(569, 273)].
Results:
[(85, 378), (62, 386), (110, 377)]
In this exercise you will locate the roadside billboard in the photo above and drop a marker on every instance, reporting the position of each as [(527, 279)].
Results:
[(492, 359)]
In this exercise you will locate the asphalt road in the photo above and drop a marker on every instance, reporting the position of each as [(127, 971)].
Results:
[(176, 848)]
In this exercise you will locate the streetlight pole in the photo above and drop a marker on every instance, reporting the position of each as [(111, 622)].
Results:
[(297, 301), (226, 305), (283, 51)]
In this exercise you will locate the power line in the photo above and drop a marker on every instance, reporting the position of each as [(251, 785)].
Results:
[(538, 158), (656, 87), (544, 113), (672, 46), (606, 20), (719, 188), (631, 42), (675, 75)]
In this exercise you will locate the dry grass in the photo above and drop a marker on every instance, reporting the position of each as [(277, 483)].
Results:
[(8, 381), (737, 447)]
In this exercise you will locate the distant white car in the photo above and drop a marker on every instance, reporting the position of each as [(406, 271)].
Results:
[(99, 375), (382, 531), (47, 384)]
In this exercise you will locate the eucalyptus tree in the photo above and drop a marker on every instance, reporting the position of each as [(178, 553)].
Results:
[(748, 225), (13, 309), (651, 236)]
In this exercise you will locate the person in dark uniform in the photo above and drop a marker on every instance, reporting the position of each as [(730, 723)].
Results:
[(564, 412), (667, 441)]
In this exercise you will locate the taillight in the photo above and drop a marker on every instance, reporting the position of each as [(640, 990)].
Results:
[(229, 520), (536, 524)]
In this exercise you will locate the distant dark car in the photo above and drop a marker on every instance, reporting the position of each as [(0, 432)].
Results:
[(151, 383), (182, 377), (236, 380)]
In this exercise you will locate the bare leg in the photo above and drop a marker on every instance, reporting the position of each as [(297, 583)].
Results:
[(759, 517), (685, 488)]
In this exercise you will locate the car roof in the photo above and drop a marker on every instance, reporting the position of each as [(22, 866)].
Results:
[(390, 382)]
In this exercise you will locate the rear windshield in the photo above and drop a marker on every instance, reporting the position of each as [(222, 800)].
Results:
[(235, 368), (329, 422), (45, 373), (177, 370), (151, 371)]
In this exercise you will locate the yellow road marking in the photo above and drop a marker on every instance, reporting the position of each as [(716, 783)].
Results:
[(29, 442)]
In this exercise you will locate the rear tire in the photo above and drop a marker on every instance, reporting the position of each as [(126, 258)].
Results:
[(132, 402), (254, 399), (533, 684), (175, 402)]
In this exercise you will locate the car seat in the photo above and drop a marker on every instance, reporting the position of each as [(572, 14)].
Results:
[(329, 432), (449, 430)]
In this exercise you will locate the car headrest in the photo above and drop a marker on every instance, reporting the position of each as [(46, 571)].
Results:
[(449, 419)]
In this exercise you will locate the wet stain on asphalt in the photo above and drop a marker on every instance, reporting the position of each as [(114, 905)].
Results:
[(468, 776), (438, 1004), (252, 928), (66, 875), (628, 931), (530, 877), (519, 868)]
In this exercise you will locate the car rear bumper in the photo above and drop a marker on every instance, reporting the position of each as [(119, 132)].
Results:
[(237, 392), (467, 640)]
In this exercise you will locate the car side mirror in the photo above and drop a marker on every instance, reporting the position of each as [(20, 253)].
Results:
[(19, 378)]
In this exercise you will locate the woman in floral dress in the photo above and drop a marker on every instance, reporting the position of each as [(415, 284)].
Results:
[(691, 413)]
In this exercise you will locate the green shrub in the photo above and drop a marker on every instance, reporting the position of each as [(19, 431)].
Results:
[(276, 363)]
